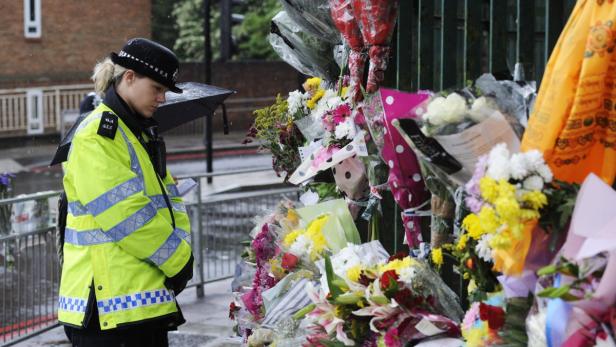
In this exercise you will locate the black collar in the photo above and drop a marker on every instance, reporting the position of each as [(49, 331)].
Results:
[(135, 122)]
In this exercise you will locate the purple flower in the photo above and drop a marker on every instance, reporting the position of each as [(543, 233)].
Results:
[(264, 245), (5, 178), (473, 200)]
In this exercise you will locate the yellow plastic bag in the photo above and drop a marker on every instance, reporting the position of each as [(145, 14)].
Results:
[(574, 119)]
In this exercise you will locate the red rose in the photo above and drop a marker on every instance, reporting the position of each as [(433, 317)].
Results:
[(400, 255), (405, 298), (388, 279), (289, 261), (494, 315), (232, 309)]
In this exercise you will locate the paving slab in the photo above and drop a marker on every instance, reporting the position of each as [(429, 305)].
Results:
[(207, 322)]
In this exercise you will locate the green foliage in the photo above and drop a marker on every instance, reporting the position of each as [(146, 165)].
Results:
[(250, 35), (189, 45), (164, 30), (514, 330), (334, 289)]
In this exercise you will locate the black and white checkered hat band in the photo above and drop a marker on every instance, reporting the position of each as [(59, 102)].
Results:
[(162, 73)]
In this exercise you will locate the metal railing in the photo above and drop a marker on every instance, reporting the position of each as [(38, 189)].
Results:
[(445, 43), (14, 109), (29, 268), (55, 99)]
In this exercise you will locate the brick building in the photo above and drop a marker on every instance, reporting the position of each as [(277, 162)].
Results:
[(48, 49), (69, 37)]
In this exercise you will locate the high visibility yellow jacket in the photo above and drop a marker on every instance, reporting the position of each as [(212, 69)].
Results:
[(119, 233)]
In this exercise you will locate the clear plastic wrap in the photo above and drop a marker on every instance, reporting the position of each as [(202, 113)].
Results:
[(377, 20), (314, 17), (514, 99), (428, 282), (310, 55), (344, 18)]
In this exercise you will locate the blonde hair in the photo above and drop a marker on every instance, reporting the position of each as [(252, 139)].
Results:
[(106, 73)]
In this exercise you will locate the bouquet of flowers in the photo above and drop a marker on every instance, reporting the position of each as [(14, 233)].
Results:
[(313, 16), (505, 196), (286, 246), (365, 24), (366, 298), (311, 55), (262, 251), (575, 294), (274, 126), (571, 294), (483, 322)]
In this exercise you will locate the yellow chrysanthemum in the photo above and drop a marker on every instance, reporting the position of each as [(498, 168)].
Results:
[(312, 83), (488, 188), (312, 103), (461, 245), (515, 229), (488, 220), (291, 237), (507, 208), (344, 91), (476, 336), (276, 268), (472, 286), (354, 272), (437, 257), (315, 233), (526, 214), (501, 241), (506, 189), (472, 225), (397, 265), (535, 199)]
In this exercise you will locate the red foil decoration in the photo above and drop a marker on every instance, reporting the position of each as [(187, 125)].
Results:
[(344, 19), (366, 23), (377, 20)]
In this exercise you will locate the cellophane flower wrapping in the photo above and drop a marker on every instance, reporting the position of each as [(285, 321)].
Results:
[(405, 180), (377, 20), (313, 16), (365, 296), (311, 55), (345, 20), (284, 250), (575, 301)]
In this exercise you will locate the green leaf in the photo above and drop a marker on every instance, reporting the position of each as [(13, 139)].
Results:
[(329, 343), (553, 292), (348, 299), (334, 290), (303, 312), (380, 299), (547, 270)]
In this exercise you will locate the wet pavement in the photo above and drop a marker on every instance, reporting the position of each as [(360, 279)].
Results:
[(207, 322)]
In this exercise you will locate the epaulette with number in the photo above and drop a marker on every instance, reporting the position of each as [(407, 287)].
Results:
[(108, 125)]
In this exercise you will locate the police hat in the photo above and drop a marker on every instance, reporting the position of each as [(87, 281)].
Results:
[(149, 59)]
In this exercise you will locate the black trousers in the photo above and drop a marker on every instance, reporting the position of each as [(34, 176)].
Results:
[(126, 337)]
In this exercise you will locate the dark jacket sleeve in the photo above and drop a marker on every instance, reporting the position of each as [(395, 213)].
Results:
[(178, 282)]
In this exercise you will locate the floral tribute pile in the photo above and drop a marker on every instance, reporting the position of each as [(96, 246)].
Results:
[(496, 247)]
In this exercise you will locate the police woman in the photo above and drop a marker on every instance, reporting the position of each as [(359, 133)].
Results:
[(126, 246)]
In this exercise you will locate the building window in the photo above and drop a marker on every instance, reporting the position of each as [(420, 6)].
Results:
[(32, 19), (34, 108)]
